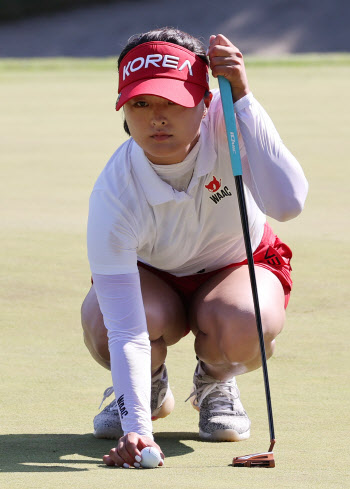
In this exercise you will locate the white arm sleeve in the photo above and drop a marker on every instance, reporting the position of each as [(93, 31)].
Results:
[(273, 175), (111, 238), (121, 304)]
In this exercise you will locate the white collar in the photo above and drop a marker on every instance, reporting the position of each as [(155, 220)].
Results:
[(156, 190)]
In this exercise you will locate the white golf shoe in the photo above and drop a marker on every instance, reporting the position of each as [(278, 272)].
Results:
[(107, 423), (221, 414)]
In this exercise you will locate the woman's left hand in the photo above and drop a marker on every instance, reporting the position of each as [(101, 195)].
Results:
[(227, 60)]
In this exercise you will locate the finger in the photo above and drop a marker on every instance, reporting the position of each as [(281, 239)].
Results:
[(134, 444), (113, 458), (221, 40), (153, 444), (108, 460), (161, 453), (211, 39), (220, 51), (143, 443), (127, 452), (230, 60), (233, 72)]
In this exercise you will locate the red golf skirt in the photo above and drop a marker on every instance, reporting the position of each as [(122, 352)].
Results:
[(272, 254)]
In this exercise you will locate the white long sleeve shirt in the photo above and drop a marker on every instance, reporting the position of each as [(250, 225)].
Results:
[(136, 214)]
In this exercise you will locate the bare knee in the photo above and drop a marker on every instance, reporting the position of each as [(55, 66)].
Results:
[(165, 321), (233, 335)]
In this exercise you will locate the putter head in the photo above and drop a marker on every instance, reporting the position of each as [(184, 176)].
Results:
[(266, 459)]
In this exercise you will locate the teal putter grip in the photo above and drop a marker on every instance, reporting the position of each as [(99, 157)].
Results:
[(231, 129)]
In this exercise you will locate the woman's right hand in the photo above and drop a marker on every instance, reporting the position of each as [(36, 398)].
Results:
[(227, 60), (129, 446)]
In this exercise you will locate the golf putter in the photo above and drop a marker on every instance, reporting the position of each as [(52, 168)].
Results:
[(258, 459)]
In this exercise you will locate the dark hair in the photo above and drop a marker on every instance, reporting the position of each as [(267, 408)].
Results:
[(165, 34)]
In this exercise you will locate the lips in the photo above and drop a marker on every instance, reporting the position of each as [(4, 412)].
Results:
[(160, 136)]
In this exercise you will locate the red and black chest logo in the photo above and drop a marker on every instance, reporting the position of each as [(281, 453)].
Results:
[(214, 188)]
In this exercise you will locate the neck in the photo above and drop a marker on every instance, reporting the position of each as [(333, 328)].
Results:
[(174, 158)]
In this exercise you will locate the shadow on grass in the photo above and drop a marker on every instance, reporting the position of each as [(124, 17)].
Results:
[(170, 442), (66, 452)]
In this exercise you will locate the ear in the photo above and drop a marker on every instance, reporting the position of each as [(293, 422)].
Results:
[(207, 99)]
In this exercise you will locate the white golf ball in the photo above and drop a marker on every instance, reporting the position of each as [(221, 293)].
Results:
[(150, 458)]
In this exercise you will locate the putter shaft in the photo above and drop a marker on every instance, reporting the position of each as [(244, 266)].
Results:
[(263, 459)]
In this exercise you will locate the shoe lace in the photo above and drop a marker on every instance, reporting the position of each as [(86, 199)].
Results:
[(222, 396), (108, 392)]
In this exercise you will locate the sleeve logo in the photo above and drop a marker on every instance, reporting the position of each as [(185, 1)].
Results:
[(121, 406)]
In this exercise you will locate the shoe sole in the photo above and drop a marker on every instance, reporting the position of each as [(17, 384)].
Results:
[(221, 435), (166, 408), (224, 435), (107, 436)]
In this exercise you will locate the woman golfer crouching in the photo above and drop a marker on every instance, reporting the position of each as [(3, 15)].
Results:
[(165, 242)]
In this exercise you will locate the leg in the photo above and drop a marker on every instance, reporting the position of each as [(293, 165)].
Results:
[(94, 331), (223, 320), (227, 343), (166, 323), (165, 315)]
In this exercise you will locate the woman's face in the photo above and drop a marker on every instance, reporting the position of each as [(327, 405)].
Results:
[(165, 131)]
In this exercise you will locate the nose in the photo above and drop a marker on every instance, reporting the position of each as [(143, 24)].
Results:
[(158, 119)]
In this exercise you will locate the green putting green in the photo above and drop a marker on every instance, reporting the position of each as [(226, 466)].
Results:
[(58, 129)]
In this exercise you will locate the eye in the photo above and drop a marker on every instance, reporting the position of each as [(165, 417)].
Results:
[(140, 103)]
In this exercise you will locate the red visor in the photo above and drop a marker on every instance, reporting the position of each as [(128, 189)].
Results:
[(163, 69)]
